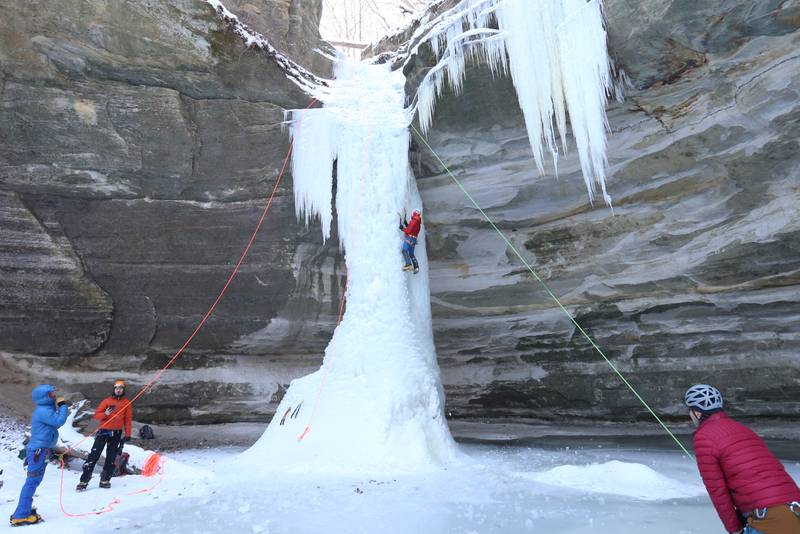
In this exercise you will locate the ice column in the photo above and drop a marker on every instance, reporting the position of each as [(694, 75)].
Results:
[(377, 403)]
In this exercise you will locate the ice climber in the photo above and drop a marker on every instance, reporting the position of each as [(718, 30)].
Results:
[(115, 414), (50, 414), (411, 230), (750, 488)]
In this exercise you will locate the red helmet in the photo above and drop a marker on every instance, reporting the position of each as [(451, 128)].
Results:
[(416, 213)]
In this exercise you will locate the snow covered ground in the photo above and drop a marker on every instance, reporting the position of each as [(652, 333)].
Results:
[(496, 489)]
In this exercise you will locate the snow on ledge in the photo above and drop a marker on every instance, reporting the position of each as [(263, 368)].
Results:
[(299, 75)]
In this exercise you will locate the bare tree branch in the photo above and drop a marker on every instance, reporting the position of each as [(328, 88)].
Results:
[(365, 20)]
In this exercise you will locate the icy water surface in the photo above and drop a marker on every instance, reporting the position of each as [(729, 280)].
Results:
[(496, 489)]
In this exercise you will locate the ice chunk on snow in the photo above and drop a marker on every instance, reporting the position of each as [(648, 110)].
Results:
[(617, 478)]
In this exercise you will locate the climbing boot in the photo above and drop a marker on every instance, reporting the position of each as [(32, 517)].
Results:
[(81, 486), (105, 484), (408, 267), (31, 519)]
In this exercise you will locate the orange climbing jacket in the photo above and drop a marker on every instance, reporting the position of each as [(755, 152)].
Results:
[(115, 420)]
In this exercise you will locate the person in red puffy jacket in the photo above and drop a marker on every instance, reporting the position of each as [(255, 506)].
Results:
[(411, 230), (749, 487)]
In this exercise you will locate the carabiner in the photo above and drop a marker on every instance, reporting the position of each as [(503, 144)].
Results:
[(794, 507)]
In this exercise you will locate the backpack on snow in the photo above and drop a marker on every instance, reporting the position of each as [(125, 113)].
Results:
[(121, 464), (146, 432)]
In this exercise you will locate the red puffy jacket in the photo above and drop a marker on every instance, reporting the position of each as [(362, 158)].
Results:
[(739, 471), (413, 226)]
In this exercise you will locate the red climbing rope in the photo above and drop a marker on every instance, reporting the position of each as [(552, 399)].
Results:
[(152, 465), (202, 322)]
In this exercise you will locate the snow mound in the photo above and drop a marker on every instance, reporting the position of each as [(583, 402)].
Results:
[(617, 478)]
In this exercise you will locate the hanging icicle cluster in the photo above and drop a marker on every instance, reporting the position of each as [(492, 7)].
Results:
[(555, 51)]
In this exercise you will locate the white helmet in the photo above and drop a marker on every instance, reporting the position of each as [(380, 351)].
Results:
[(703, 397)]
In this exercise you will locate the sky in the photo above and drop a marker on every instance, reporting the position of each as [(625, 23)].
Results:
[(364, 21)]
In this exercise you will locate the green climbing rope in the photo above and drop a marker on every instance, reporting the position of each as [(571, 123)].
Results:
[(549, 292)]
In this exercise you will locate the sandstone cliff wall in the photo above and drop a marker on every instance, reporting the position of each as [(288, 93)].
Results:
[(138, 142), (694, 274), (139, 139)]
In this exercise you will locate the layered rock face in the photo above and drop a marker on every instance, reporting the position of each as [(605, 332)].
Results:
[(694, 276), (139, 139), (290, 25), (138, 143)]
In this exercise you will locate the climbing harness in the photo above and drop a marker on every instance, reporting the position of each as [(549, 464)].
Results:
[(550, 292), (794, 507)]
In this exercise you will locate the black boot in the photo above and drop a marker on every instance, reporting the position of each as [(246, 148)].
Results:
[(81, 486), (105, 483)]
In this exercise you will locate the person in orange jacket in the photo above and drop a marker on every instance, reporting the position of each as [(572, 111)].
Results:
[(115, 414)]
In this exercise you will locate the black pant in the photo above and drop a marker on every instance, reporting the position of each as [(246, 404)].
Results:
[(105, 438)]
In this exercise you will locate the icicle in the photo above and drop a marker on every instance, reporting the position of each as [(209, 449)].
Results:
[(587, 83), (555, 52), (314, 134)]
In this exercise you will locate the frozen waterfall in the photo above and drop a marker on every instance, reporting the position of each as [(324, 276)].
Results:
[(377, 405)]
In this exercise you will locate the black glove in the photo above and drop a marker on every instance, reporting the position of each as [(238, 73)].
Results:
[(125, 439)]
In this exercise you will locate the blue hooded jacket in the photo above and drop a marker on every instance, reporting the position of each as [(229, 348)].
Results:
[(46, 419)]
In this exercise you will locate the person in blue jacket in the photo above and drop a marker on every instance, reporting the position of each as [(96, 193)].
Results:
[(50, 414)]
